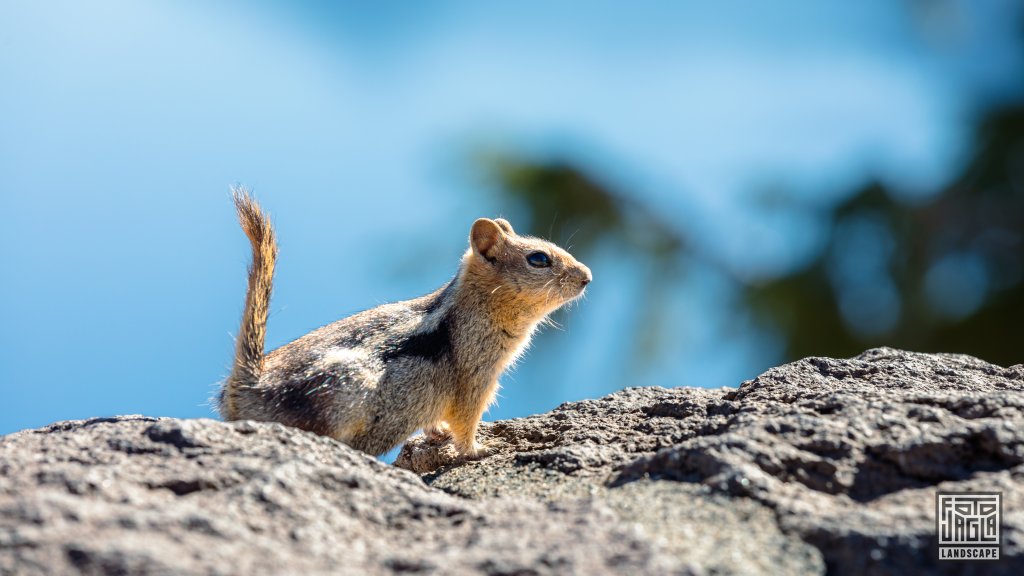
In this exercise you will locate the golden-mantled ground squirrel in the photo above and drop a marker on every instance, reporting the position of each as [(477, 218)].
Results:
[(372, 379)]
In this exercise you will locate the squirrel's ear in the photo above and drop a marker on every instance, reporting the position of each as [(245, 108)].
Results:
[(505, 225), (486, 237)]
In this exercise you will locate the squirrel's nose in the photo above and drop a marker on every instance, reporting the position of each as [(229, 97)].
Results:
[(587, 276)]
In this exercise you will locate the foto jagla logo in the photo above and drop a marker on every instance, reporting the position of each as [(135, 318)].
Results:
[(967, 524)]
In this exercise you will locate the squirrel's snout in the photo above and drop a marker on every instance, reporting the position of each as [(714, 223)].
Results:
[(587, 277)]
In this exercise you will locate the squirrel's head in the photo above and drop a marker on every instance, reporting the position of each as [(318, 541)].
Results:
[(532, 272)]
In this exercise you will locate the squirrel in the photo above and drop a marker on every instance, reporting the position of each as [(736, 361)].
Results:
[(372, 379)]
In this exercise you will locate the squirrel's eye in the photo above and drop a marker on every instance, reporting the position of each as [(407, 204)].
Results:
[(538, 259)]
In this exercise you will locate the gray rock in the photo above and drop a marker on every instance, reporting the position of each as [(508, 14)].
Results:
[(843, 456), (136, 495), (816, 465)]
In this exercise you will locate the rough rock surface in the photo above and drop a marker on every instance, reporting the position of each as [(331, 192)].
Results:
[(816, 465)]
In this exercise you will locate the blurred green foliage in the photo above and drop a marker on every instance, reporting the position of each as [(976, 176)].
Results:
[(953, 263), (943, 273)]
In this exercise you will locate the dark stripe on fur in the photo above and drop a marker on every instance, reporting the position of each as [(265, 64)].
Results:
[(432, 345)]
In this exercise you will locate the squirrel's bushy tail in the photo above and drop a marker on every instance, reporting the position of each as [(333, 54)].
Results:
[(249, 345)]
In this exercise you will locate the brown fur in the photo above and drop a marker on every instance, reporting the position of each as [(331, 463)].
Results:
[(249, 345), (433, 362)]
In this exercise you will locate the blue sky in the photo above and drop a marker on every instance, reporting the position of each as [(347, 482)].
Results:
[(123, 123)]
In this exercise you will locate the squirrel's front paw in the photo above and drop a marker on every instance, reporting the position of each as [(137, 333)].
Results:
[(475, 451), (438, 433)]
